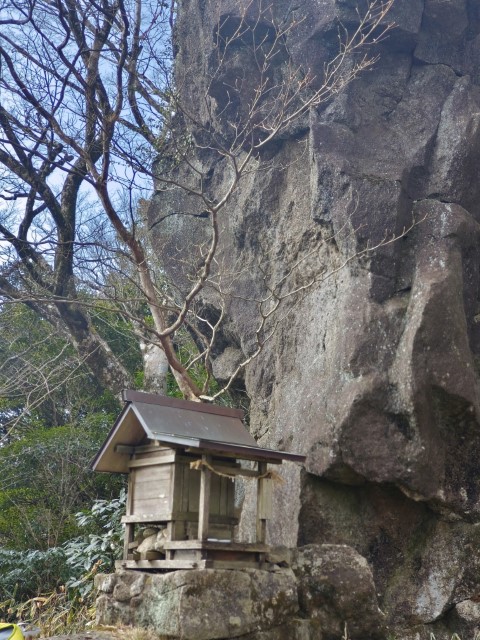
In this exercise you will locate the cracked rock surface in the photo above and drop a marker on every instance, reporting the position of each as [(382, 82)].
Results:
[(374, 373)]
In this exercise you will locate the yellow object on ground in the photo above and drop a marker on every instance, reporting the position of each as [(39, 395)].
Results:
[(9, 631)]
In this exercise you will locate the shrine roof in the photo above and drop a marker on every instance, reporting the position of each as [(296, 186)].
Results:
[(181, 424)]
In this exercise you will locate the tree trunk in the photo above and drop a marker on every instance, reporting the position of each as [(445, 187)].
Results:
[(94, 351), (155, 368)]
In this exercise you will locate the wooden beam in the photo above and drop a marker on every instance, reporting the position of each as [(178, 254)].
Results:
[(233, 564), (169, 565), (154, 445), (212, 545), (146, 518), (153, 461), (265, 498), (129, 526), (140, 448), (160, 564), (261, 520), (173, 498), (204, 502), (165, 516)]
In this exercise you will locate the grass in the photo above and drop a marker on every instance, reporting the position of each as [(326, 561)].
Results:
[(134, 633), (432, 636), (56, 613), (61, 613), (455, 636)]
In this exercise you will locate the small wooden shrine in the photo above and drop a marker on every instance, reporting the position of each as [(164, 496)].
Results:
[(182, 459)]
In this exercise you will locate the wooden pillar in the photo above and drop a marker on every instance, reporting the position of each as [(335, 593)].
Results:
[(171, 530), (263, 502), (129, 526), (175, 489), (204, 504)]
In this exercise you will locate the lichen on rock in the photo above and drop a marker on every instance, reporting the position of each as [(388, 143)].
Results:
[(201, 604), (374, 373)]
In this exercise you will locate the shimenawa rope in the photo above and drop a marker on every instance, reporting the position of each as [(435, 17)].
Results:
[(269, 475)]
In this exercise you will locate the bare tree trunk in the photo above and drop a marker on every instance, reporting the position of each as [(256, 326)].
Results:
[(155, 368), (94, 351), (81, 104)]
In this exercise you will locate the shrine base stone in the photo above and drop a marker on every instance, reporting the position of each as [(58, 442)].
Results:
[(199, 605), (316, 592)]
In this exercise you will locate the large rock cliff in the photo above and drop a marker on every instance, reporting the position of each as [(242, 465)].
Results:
[(373, 371)]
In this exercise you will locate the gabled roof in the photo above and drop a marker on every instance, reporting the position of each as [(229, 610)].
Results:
[(180, 423)]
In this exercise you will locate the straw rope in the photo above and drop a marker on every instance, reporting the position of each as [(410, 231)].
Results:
[(269, 475)]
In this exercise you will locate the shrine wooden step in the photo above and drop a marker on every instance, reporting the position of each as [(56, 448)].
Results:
[(217, 545), (147, 555), (172, 565)]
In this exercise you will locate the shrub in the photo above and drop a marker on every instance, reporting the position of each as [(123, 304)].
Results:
[(100, 545), (54, 587), (24, 574)]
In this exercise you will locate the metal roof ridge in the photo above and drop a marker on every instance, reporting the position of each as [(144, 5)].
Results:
[(129, 395)]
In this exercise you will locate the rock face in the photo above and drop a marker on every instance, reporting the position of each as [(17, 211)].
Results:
[(373, 372), (328, 591)]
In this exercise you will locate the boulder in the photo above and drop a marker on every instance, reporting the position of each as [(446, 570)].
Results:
[(202, 605), (464, 618), (337, 592)]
